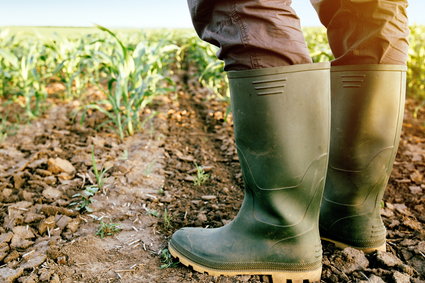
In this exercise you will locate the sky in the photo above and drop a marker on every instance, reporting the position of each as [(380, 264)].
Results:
[(133, 13)]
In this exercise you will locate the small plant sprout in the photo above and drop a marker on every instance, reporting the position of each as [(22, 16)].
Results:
[(152, 212), (149, 211), (201, 177), (167, 219), (99, 174), (107, 229), (166, 259), (85, 199)]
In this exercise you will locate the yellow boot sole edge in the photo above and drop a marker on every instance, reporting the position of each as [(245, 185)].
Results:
[(277, 276), (340, 245)]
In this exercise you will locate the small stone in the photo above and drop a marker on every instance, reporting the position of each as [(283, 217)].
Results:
[(73, 225), (35, 261), (98, 142), (52, 193), (11, 257), (401, 208), (4, 250), (48, 223), (8, 275), (45, 274), (417, 177), (53, 210), (21, 243), (387, 212), (413, 224), (54, 252), (23, 232), (7, 193), (202, 217), (31, 217), (6, 238), (42, 172), (65, 176), (420, 248), (407, 269), (399, 277), (350, 260), (388, 259), (209, 197), (51, 180), (244, 278), (408, 242), (406, 254), (62, 221), (18, 181), (32, 278), (59, 165), (375, 279), (415, 189), (62, 260), (189, 178), (27, 196), (20, 206), (417, 262), (55, 279)]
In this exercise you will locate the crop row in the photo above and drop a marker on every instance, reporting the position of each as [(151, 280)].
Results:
[(131, 68)]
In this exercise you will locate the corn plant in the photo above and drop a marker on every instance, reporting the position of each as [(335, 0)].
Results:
[(98, 173), (21, 76), (416, 63), (134, 81), (32, 85), (317, 43)]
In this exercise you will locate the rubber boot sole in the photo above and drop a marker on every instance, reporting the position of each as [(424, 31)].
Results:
[(312, 276), (340, 245)]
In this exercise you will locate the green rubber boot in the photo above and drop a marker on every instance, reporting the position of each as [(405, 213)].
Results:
[(367, 114), (282, 129)]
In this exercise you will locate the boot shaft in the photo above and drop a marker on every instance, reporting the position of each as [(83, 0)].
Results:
[(367, 114), (282, 127)]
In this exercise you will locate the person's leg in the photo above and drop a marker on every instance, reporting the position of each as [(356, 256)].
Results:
[(365, 31), (281, 118), (369, 41), (251, 34)]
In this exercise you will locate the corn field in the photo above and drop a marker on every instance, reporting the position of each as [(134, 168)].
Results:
[(111, 140), (130, 69)]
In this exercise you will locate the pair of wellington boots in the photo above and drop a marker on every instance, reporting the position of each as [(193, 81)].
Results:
[(308, 174)]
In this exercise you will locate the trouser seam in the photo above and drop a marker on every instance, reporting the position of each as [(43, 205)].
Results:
[(237, 19)]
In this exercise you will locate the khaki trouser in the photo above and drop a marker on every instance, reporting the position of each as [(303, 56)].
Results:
[(254, 34)]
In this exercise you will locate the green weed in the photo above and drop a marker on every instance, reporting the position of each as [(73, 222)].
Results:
[(201, 177), (167, 219), (85, 199), (107, 229), (167, 259)]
